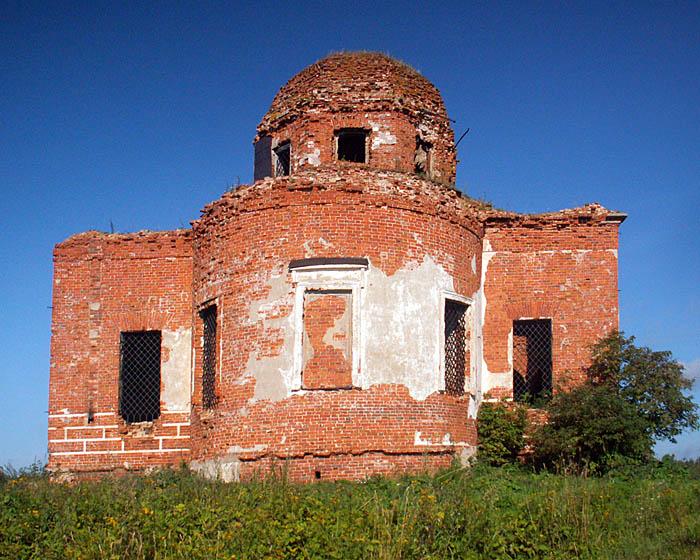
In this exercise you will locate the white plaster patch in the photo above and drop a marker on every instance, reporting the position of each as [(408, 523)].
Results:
[(419, 441), (482, 374), (253, 449), (402, 317), (225, 469), (273, 374), (396, 334), (175, 371), (95, 306), (309, 250), (313, 156), (382, 135)]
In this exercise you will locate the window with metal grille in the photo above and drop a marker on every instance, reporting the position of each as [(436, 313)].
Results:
[(532, 359), (455, 346), (139, 376), (352, 145), (283, 154), (422, 158), (208, 316)]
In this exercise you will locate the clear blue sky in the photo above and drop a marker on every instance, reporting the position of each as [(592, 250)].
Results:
[(140, 114)]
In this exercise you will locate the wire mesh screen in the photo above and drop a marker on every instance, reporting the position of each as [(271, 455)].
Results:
[(139, 376), (532, 359), (282, 160), (209, 357), (455, 346)]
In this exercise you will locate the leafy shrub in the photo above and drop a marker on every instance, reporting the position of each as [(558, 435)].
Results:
[(591, 429), (501, 433), (652, 382), (633, 396)]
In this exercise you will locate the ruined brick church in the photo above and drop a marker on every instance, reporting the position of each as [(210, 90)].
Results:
[(343, 316)]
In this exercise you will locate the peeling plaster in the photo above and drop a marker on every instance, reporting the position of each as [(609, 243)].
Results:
[(393, 314), (342, 325), (418, 440), (309, 246), (272, 373), (225, 469), (399, 311), (382, 135), (176, 390), (313, 156)]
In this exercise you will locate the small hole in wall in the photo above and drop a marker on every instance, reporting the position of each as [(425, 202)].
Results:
[(317, 475)]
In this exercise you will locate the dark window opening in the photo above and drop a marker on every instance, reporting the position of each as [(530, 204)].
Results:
[(455, 346), (532, 360), (422, 158), (139, 376), (317, 475), (283, 154), (352, 145), (208, 316), (263, 158)]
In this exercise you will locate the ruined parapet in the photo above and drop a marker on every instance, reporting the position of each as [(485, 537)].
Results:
[(357, 107)]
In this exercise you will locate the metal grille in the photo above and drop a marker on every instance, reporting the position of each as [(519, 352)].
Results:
[(282, 160), (209, 357), (139, 376), (532, 359), (455, 346)]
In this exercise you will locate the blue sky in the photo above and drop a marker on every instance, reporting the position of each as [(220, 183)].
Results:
[(139, 114)]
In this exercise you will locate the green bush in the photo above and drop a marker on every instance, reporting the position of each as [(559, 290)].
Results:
[(652, 382), (632, 397), (590, 429), (501, 433)]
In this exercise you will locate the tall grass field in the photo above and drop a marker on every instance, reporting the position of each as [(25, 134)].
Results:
[(468, 514)]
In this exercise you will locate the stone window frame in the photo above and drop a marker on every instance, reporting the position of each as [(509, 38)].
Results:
[(468, 343), (332, 276)]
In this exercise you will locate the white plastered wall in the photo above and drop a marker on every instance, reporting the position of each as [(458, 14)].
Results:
[(398, 328)]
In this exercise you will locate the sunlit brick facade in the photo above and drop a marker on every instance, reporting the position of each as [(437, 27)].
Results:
[(343, 316)]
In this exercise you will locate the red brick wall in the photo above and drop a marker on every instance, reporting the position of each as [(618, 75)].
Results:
[(396, 152), (105, 284), (363, 90), (251, 235), (327, 363), (559, 269)]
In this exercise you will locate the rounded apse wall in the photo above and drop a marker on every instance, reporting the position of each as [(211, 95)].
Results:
[(330, 291)]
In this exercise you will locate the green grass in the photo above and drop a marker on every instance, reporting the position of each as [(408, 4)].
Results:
[(486, 513)]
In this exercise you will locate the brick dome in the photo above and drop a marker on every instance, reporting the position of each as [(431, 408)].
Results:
[(352, 81), (402, 113)]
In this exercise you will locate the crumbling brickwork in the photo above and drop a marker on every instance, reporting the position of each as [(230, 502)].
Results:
[(357, 312), (560, 266), (387, 98), (104, 285), (405, 226)]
